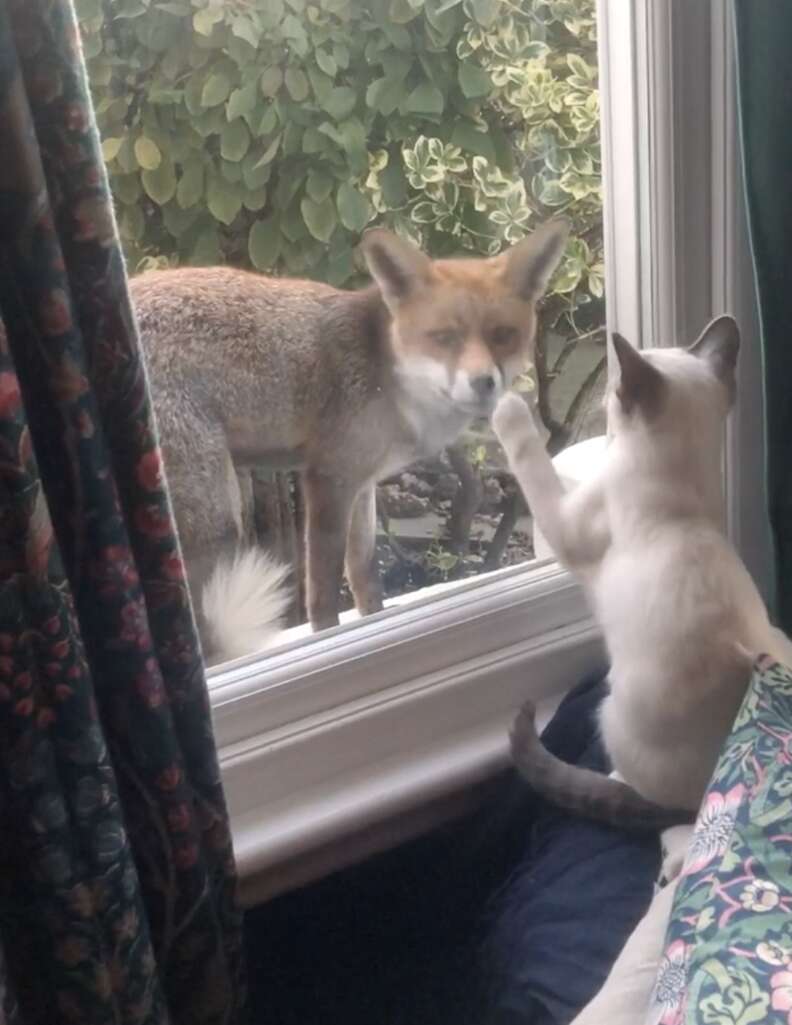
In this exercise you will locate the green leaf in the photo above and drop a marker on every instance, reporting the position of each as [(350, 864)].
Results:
[(425, 99), (341, 102), (320, 218), (484, 11), (216, 89), (313, 141), (232, 172), (296, 84), (467, 136), (269, 153), (294, 229), (326, 62), (223, 200), (271, 13), (178, 221), (234, 140), (474, 81), (294, 31), (270, 82), (269, 120), (110, 148), (206, 251), (160, 184), (321, 84), (319, 185), (147, 153), (192, 95), (255, 199), (126, 188), (393, 185), (354, 211), (241, 101), (132, 224), (204, 21), (255, 175), (264, 243), (243, 28), (385, 95), (190, 187), (341, 55), (400, 12), (351, 137)]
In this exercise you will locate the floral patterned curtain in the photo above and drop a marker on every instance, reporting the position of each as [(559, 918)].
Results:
[(116, 868)]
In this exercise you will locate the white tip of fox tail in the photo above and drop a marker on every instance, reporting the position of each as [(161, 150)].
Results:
[(244, 602)]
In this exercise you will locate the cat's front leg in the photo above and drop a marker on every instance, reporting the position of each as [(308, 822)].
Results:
[(574, 524)]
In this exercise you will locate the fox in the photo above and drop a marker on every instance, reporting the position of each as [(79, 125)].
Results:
[(345, 386)]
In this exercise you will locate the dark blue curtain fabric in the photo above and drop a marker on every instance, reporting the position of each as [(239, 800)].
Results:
[(764, 60)]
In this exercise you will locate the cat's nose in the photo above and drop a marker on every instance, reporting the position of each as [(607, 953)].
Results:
[(483, 386)]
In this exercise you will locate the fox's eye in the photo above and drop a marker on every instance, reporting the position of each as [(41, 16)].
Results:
[(504, 334), (445, 336)]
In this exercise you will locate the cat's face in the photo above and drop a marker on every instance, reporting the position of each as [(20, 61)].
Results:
[(675, 391)]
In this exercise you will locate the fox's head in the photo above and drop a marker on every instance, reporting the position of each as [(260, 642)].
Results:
[(463, 329)]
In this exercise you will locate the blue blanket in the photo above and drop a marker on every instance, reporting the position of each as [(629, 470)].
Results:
[(577, 893)]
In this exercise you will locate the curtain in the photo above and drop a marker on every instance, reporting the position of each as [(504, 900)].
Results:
[(117, 883), (764, 59)]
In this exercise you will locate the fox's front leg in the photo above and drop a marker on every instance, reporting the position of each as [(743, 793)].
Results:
[(361, 563), (328, 507), (573, 523)]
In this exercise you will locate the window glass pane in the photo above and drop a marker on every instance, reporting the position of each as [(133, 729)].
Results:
[(268, 137)]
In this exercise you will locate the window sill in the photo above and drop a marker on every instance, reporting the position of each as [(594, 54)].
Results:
[(354, 739)]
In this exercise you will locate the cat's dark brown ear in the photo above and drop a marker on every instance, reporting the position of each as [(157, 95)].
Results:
[(640, 384), (719, 345)]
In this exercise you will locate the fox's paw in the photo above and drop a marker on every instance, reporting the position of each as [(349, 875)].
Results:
[(513, 419)]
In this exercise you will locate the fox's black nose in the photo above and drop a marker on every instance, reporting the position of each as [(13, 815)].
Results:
[(483, 385)]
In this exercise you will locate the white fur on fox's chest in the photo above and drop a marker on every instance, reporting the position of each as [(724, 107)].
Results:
[(427, 434), (430, 418)]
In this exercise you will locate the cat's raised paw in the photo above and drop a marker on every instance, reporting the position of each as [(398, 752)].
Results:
[(512, 417)]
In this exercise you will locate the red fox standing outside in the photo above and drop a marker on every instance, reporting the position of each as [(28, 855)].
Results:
[(346, 386)]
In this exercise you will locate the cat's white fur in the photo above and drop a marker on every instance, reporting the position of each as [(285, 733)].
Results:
[(681, 616)]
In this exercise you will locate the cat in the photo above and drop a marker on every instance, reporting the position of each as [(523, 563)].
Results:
[(681, 617)]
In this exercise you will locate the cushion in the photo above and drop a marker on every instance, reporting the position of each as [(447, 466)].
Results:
[(728, 950)]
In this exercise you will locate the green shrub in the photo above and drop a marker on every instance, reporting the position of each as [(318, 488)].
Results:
[(272, 132)]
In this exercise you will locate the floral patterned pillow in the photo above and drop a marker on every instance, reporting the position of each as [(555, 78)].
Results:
[(728, 953)]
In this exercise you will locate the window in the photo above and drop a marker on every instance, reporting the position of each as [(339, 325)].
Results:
[(269, 136), (338, 742)]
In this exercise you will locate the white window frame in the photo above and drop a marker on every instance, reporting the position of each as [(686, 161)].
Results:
[(349, 741)]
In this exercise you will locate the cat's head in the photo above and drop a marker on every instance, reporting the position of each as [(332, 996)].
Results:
[(675, 389)]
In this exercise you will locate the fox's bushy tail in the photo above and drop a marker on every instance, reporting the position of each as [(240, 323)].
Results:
[(244, 602), (583, 791)]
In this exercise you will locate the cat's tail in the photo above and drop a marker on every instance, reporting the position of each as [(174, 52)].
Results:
[(244, 602), (582, 791)]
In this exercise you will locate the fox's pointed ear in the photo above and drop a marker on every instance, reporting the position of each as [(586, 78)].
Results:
[(640, 384), (529, 264), (398, 267), (719, 345)]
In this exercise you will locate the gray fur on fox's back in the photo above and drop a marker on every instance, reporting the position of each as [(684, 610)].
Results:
[(583, 791)]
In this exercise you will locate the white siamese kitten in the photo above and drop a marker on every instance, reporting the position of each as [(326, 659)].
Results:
[(680, 614)]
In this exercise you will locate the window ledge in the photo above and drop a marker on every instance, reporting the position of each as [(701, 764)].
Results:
[(353, 739)]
